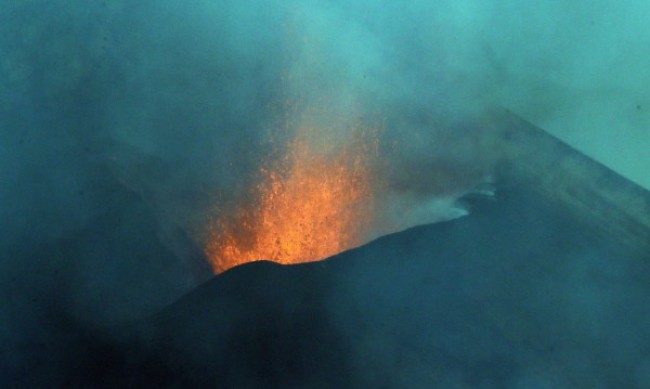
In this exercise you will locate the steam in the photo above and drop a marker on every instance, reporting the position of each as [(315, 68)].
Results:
[(182, 102)]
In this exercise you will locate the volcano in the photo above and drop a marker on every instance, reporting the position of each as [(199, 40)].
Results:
[(544, 284), (427, 307)]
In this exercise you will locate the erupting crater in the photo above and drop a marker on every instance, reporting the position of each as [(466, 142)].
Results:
[(314, 202)]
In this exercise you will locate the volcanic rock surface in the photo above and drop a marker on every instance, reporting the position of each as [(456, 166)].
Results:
[(515, 295)]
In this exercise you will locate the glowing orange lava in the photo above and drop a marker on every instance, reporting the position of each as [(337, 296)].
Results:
[(309, 205)]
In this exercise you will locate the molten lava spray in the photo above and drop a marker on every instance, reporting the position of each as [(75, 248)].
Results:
[(314, 202)]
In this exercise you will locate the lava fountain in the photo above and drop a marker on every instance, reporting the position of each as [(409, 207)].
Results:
[(315, 201)]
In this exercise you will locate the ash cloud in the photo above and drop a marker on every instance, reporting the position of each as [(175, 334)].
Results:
[(178, 103)]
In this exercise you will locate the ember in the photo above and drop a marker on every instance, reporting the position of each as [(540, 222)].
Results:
[(312, 203)]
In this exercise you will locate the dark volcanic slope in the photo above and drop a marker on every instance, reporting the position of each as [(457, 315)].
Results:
[(516, 295), (114, 267)]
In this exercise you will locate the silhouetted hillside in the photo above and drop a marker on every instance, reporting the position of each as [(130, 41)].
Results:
[(516, 295)]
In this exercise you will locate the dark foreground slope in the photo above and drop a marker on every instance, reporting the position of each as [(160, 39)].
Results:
[(516, 295), (57, 292)]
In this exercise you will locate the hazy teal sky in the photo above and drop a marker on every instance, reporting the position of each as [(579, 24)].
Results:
[(192, 90), (579, 69)]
